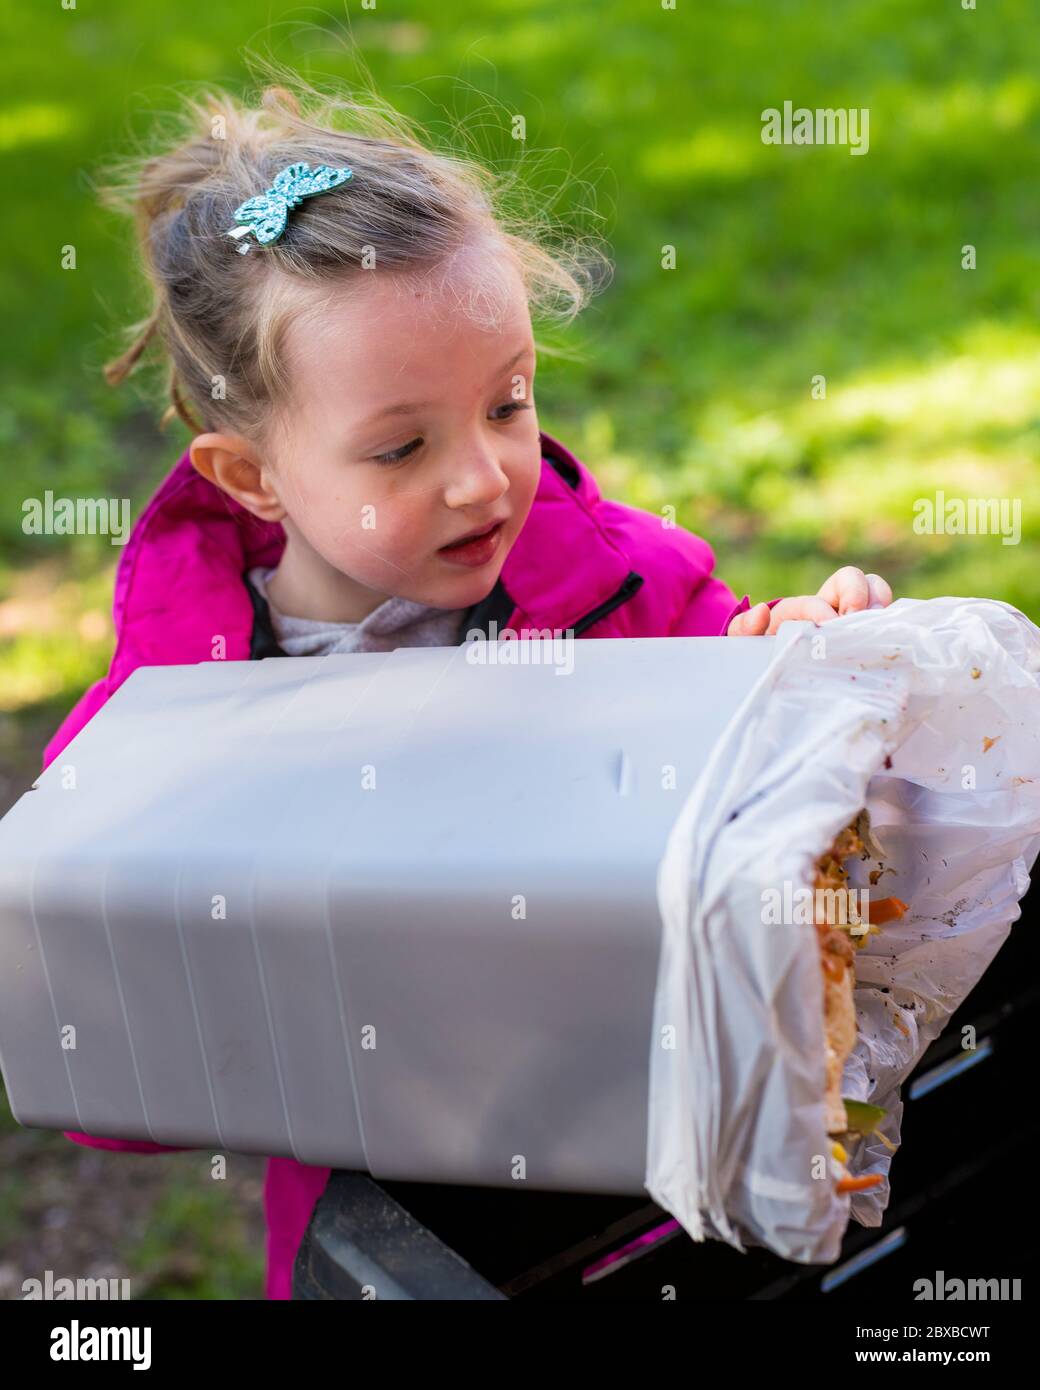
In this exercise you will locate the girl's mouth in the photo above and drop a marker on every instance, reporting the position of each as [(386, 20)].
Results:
[(476, 551)]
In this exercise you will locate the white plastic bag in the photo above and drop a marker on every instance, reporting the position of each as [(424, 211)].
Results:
[(898, 710)]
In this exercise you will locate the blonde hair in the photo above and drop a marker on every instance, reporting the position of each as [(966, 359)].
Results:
[(219, 316)]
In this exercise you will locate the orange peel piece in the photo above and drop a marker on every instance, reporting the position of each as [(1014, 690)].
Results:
[(885, 910)]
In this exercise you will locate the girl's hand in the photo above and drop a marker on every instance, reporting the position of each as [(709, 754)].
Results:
[(848, 590)]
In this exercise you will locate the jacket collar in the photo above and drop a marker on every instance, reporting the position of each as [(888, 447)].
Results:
[(180, 586), (563, 565)]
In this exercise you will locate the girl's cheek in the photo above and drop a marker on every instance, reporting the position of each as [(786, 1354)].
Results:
[(374, 529)]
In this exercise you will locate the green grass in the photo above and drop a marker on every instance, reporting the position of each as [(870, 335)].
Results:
[(160, 1220), (194, 1244), (688, 386)]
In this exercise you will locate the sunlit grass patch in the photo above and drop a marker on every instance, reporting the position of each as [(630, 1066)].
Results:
[(56, 635)]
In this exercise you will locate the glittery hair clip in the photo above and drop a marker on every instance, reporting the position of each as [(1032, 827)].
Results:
[(266, 214)]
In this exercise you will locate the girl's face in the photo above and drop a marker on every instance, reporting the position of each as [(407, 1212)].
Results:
[(411, 426)]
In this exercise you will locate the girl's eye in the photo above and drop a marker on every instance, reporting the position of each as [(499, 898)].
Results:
[(513, 407), (398, 455)]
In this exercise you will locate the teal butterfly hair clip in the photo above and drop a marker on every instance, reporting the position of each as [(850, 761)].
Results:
[(266, 214)]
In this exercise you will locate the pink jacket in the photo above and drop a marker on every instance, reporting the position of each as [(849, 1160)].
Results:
[(607, 569)]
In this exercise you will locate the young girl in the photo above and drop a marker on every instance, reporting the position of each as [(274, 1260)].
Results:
[(367, 469)]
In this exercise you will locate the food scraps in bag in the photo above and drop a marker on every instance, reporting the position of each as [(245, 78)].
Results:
[(838, 940)]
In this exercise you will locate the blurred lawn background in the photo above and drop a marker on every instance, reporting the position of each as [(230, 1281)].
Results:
[(689, 387)]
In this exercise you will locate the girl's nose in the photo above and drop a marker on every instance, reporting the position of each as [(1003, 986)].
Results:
[(479, 480)]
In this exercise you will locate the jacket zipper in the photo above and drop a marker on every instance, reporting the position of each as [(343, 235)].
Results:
[(263, 642), (630, 585)]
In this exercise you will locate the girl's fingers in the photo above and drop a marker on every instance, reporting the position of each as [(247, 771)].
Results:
[(847, 590), (880, 591), (753, 623), (815, 609)]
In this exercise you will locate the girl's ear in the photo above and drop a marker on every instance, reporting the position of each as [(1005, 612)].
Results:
[(232, 464)]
